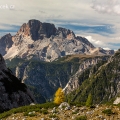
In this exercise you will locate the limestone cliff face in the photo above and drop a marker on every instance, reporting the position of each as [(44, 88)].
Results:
[(13, 93), (74, 81)]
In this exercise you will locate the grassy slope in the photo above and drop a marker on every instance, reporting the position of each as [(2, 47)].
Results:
[(78, 113)]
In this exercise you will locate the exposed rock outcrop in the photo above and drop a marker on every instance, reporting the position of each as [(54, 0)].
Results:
[(85, 41), (5, 43), (37, 30), (117, 101), (100, 51), (65, 33), (13, 93), (74, 81)]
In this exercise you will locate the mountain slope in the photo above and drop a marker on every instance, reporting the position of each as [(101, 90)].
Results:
[(45, 42), (103, 84), (46, 77), (13, 93)]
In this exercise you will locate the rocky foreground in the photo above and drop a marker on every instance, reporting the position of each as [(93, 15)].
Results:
[(101, 112)]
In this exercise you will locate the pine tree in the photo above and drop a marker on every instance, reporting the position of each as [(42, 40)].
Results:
[(59, 96), (89, 100)]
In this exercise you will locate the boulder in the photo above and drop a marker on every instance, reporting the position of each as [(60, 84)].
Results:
[(117, 101), (64, 105)]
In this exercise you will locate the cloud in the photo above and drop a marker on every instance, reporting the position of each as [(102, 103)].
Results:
[(6, 28), (106, 48), (95, 42), (9, 27), (4, 33), (107, 44), (107, 6), (103, 29), (115, 44)]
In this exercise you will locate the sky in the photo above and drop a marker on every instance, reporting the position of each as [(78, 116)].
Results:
[(96, 20)]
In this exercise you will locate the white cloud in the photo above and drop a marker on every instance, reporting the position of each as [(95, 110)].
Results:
[(107, 6), (106, 48), (104, 42), (95, 42), (5, 27)]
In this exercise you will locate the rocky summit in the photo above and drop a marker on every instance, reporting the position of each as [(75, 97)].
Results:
[(37, 30), (13, 93), (45, 42)]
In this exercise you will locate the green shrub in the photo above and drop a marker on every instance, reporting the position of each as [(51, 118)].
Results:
[(81, 118), (118, 105), (52, 116), (78, 105), (92, 106), (44, 111), (74, 112), (25, 114), (26, 109), (31, 115), (107, 112)]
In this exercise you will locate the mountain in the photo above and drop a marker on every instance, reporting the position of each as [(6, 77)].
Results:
[(45, 42), (103, 83), (13, 93), (44, 78), (45, 57)]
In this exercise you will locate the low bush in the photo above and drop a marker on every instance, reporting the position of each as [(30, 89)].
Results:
[(36, 108), (107, 112), (30, 115), (74, 112), (81, 118), (92, 106), (44, 111), (52, 116)]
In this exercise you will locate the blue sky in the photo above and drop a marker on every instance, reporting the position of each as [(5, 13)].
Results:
[(97, 20)]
